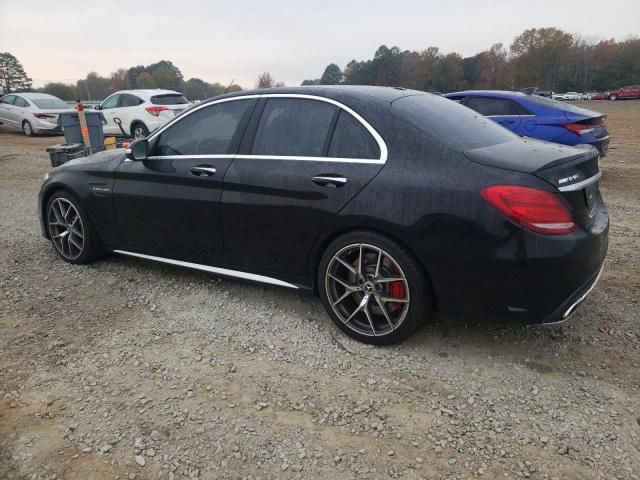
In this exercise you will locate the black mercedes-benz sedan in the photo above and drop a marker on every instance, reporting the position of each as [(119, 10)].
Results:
[(390, 204)]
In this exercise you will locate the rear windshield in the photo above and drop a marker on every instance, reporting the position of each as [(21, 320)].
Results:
[(50, 103), (458, 126), (564, 106), (169, 99)]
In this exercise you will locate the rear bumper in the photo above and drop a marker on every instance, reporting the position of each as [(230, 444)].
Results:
[(525, 278), (571, 305), (602, 144)]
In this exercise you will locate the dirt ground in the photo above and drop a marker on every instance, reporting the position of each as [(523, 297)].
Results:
[(125, 369)]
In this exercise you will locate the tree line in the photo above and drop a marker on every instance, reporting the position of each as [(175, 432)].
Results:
[(547, 58)]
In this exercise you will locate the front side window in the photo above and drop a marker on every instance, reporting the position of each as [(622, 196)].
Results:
[(352, 140), (111, 102), (293, 127), (208, 131), (9, 99), (492, 106)]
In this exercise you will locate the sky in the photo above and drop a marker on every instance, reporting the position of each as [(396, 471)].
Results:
[(293, 40)]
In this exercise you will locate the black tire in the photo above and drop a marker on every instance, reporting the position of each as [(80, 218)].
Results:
[(27, 128), (91, 247), (613, 97), (139, 130), (419, 298)]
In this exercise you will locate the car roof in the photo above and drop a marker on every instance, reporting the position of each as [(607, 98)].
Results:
[(490, 93), (148, 91), (386, 94)]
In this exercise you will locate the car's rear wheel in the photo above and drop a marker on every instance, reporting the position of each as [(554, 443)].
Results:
[(373, 289), (70, 230), (139, 130), (27, 129)]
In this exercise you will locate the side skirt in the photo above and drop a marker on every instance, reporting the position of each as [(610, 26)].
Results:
[(217, 270)]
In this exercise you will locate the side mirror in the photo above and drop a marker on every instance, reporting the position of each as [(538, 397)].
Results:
[(138, 150), (97, 107)]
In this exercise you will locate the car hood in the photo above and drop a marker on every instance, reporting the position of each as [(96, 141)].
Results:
[(101, 159)]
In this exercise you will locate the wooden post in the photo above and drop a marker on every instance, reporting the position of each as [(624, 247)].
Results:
[(86, 139)]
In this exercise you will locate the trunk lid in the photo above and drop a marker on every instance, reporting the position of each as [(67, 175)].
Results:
[(526, 155)]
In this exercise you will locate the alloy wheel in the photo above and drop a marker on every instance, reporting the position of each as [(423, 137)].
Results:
[(27, 129), (139, 132), (367, 289), (65, 228)]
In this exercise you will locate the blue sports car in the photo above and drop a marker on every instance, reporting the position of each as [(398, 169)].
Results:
[(538, 117)]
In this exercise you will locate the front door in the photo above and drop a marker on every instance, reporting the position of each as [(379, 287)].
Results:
[(168, 205), (304, 163), (109, 109)]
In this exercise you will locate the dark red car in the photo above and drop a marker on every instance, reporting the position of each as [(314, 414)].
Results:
[(631, 91)]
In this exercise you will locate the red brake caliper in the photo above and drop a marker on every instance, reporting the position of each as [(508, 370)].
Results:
[(397, 290)]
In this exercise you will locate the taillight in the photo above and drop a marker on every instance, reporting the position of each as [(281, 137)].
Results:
[(43, 115), (534, 209), (155, 109), (578, 128)]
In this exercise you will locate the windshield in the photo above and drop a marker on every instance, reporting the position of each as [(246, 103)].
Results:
[(458, 126), (169, 99), (50, 103)]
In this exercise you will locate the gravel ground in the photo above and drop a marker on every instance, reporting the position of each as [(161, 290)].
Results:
[(126, 369)]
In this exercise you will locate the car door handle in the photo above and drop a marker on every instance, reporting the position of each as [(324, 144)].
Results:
[(331, 181), (203, 170)]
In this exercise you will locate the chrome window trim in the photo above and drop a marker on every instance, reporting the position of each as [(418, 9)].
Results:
[(311, 159), (490, 116), (384, 152), (206, 268), (582, 184)]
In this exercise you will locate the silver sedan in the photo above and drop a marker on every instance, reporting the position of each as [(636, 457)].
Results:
[(32, 113)]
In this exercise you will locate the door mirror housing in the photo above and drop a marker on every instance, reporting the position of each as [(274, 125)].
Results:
[(97, 107), (138, 150)]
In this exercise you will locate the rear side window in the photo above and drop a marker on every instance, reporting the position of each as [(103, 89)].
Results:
[(21, 102), (455, 125), (128, 100), (293, 127), (352, 140), (208, 131), (492, 106), (169, 99)]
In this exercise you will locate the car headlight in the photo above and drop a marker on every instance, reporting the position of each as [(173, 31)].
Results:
[(46, 177)]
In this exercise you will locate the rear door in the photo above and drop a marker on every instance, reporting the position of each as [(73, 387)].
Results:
[(301, 161), (501, 110), (127, 111), (168, 205)]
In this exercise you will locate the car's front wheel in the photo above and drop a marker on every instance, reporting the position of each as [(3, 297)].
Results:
[(373, 288), (27, 129), (70, 230), (613, 97)]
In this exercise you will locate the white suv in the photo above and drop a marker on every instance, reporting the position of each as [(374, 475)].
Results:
[(141, 111)]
